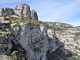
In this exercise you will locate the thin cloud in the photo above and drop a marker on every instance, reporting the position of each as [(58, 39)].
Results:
[(62, 12)]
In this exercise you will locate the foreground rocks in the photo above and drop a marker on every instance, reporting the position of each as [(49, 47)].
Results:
[(32, 41), (36, 40)]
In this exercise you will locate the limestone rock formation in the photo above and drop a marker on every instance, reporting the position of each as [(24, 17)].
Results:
[(36, 40), (6, 11), (69, 35), (23, 10), (25, 39), (31, 40), (34, 15)]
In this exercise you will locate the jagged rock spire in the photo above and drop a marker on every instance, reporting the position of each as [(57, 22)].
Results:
[(34, 15), (23, 10)]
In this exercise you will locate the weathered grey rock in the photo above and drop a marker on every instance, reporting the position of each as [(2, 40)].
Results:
[(6, 11), (34, 15), (5, 46), (36, 40), (69, 35), (23, 10)]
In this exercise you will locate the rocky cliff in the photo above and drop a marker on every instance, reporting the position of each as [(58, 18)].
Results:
[(23, 37), (33, 39), (69, 35)]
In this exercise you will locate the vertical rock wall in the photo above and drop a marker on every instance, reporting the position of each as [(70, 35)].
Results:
[(36, 41)]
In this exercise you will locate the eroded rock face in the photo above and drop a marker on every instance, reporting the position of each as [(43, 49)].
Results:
[(6, 11), (5, 45), (36, 40), (34, 15), (23, 10)]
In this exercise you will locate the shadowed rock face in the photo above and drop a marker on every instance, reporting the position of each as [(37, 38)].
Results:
[(35, 40), (23, 10), (6, 11), (34, 15)]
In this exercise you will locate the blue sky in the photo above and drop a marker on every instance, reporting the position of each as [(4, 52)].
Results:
[(66, 11)]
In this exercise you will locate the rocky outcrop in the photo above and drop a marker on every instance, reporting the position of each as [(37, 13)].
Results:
[(6, 12), (23, 10), (21, 37), (36, 40), (34, 15)]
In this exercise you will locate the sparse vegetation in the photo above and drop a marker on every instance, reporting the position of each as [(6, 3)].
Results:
[(13, 18), (16, 51), (77, 34), (59, 29), (24, 20)]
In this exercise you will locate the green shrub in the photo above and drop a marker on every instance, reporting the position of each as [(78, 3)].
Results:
[(77, 34)]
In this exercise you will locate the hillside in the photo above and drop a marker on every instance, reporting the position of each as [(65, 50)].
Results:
[(24, 37), (69, 36), (78, 27)]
